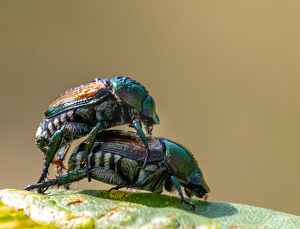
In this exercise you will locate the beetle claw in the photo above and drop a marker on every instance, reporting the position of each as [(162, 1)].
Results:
[(193, 207), (189, 203)]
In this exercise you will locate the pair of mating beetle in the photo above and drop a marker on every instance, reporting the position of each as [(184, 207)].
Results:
[(123, 158)]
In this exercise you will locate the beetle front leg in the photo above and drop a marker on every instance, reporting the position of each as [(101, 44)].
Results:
[(182, 199), (50, 153), (65, 134), (139, 130)]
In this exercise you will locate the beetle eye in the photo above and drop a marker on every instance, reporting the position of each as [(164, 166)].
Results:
[(146, 112), (194, 180)]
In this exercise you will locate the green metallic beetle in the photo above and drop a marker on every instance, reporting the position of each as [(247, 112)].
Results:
[(117, 157), (90, 109)]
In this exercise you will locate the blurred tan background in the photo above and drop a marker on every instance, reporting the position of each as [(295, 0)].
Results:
[(225, 76)]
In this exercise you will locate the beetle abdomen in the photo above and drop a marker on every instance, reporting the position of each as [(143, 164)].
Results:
[(100, 158), (71, 130)]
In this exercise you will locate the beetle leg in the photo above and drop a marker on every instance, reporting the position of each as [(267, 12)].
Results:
[(50, 153), (89, 143), (61, 154), (182, 199), (65, 133), (153, 175), (99, 173), (70, 177), (44, 174), (139, 130)]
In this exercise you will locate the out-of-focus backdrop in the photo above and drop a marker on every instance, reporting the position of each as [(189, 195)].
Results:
[(225, 76)]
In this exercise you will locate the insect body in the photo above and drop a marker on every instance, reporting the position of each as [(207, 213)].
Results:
[(90, 109), (117, 157)]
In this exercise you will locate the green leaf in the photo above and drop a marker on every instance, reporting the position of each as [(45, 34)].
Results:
[(12, 219), (119, 209)]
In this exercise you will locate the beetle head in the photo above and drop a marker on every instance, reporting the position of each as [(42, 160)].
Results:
[(149, 110), (135, 94), (196, 185), (186, 169)]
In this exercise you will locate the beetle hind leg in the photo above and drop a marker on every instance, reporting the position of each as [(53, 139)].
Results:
[(68, 178)]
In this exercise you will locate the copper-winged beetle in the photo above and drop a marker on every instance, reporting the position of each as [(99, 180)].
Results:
[(90, 109)]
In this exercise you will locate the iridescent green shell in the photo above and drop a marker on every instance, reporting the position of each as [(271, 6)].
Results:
[(180, 159), (130, 91)]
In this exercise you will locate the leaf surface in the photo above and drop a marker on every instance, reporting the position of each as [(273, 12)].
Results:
[(120, 209)]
